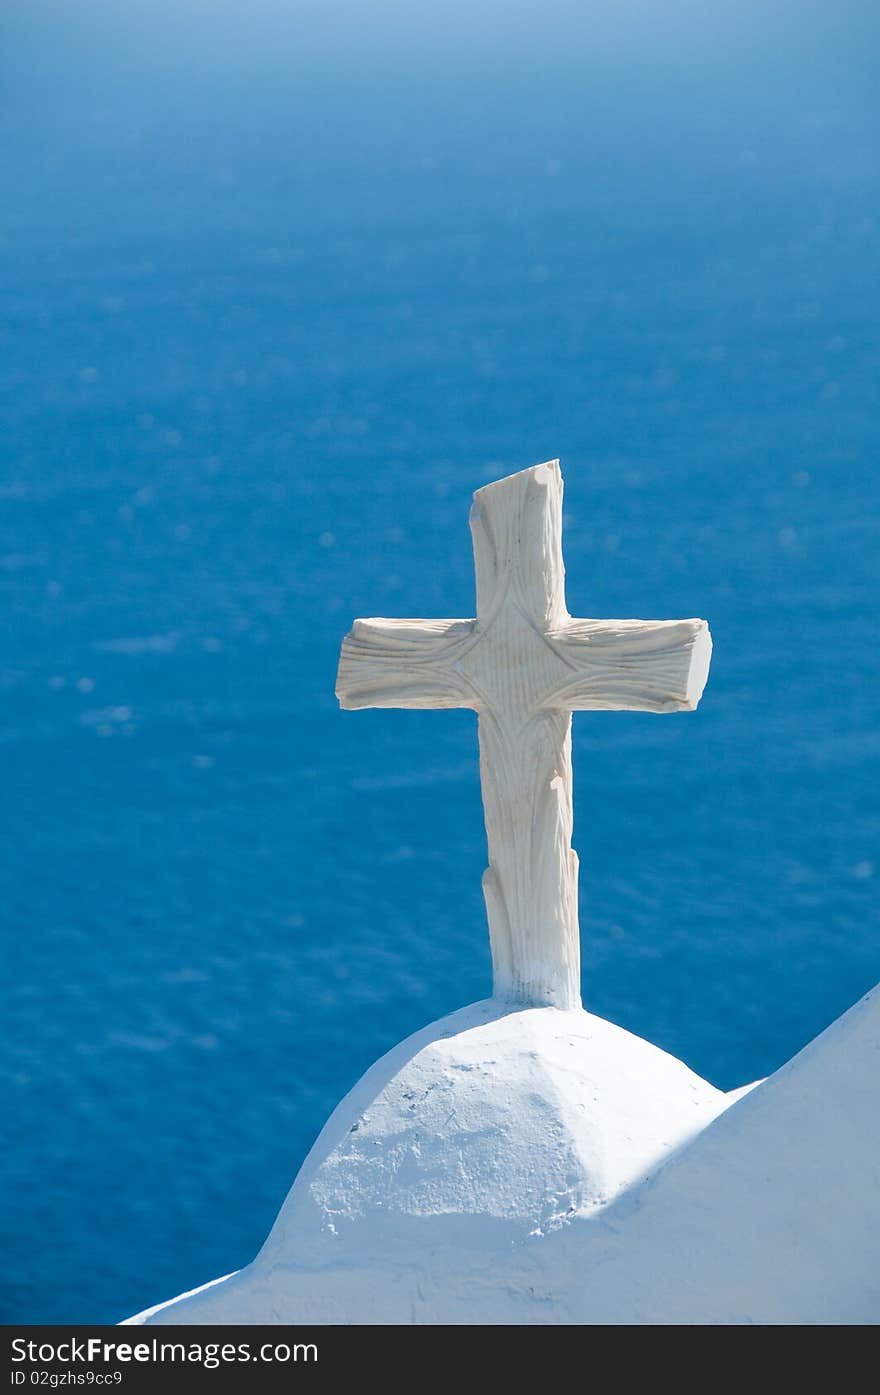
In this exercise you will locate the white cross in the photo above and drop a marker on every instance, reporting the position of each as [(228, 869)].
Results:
[(524, 665)]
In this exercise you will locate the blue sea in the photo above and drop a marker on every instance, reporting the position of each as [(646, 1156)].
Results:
[(282, 284)]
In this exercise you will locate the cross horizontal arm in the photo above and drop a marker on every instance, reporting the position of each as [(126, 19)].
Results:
[(404, 663), (631, 665)]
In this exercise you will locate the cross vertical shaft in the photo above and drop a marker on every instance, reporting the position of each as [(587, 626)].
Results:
[(530, 885)]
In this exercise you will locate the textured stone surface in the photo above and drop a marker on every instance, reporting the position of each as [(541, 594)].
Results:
[(480, 1135), (769, 1213)]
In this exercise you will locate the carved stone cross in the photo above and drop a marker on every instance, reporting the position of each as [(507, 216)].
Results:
[(524, 665)]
